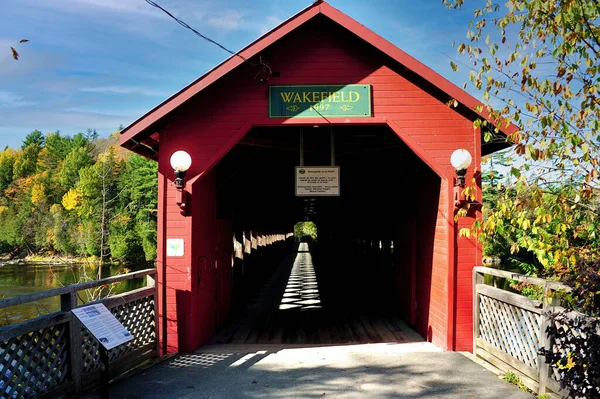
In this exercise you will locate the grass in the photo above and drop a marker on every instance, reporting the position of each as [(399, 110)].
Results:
[(511, 378)]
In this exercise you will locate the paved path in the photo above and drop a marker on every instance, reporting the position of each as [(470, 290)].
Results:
[(413, 370)]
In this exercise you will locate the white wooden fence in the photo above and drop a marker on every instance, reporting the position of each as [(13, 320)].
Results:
[(510, 329)]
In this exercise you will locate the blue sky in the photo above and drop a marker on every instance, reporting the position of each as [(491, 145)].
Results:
[(102, 63)]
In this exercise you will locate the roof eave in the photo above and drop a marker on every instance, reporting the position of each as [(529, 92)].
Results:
[(162, 109), (141, 125)]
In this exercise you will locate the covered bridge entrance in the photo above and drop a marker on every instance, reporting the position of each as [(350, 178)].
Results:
[(380, 116)]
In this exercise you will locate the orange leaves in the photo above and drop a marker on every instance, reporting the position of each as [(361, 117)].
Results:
[(591, 176), (569, 77), (557, 88)]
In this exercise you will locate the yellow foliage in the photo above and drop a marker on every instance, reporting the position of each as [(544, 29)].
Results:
[(72, 199), (465, 232), (37, 193), (3, 209), (7, 153)]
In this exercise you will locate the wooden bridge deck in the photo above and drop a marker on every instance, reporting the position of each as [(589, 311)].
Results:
[(288, 310), (321, 329)]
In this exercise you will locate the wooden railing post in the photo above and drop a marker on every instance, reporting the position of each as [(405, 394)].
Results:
[(68, 302), (477, 279), (544, 342), (151, 282)]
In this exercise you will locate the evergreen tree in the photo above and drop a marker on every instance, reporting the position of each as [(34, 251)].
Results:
[(36, 137)]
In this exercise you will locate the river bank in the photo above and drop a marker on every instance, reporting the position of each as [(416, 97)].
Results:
[(25, 278), (46, 259)]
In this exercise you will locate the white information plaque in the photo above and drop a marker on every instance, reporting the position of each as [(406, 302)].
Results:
[(317, 181), (175, 246), (103, 325)]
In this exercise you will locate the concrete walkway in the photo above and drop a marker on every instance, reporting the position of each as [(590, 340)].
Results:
[(412, 370)]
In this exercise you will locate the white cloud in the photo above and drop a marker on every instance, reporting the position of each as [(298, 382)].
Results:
[(113, 6), (11, 100), (271, 22), (227, 20), (67, 121), (124, 90)]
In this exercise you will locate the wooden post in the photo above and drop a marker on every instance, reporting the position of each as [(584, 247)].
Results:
[(68, 302), (151, 282), (477, 279), (104, 377), (544, 342)]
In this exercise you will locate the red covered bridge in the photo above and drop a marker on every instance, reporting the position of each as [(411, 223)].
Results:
[(318, 90)]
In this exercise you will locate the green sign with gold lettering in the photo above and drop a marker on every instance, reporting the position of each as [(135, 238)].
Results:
[(320, 101)]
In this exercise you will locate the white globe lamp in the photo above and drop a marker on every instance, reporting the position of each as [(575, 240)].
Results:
[(461, 159), (180, 162)]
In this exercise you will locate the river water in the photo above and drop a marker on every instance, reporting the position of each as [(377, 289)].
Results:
[(20, 279)]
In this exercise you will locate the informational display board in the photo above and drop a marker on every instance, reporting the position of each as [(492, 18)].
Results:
[(103, 325), (317, 181)]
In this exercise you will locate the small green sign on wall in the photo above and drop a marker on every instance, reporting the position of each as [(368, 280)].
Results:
[(320, 101)]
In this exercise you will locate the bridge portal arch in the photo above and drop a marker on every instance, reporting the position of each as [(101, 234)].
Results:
[(409, 181)]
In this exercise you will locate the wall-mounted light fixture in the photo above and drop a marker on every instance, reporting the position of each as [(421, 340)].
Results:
[(180, 162), (460, 159)]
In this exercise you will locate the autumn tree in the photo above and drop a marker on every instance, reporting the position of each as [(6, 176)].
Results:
[(139, 203), (80, 195), (7, 163), (537, 64)]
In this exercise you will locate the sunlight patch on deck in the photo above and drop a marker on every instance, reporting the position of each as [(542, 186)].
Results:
[(302, 290)]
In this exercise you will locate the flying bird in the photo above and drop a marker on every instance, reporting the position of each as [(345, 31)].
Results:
[(15, 54)]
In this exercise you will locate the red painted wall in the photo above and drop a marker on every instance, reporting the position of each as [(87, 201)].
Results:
[(209, 124), (174, 280), (203, 315), (224, 254)]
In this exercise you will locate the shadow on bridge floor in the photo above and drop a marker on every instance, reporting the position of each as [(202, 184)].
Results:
[(350, 371), (294, 342), (306, 302)]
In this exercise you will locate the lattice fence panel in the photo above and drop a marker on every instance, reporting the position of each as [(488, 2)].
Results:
[(510, 328), (34, 363), (137, 317)]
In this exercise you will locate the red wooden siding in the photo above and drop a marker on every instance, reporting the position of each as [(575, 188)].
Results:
[(468, 254), (214, 119), (175, 271), (319, 52)]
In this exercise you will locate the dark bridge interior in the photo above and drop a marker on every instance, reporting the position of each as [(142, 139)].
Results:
[(371, 264)]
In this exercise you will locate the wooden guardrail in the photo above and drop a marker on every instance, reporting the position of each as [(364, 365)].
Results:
[(55, 354), (510, 329)]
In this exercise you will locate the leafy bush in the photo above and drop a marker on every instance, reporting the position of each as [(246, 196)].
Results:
[(577, 340), (526, 289)]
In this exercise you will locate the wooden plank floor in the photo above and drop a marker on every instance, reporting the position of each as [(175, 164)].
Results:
[(287, 310), (318, 328)]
